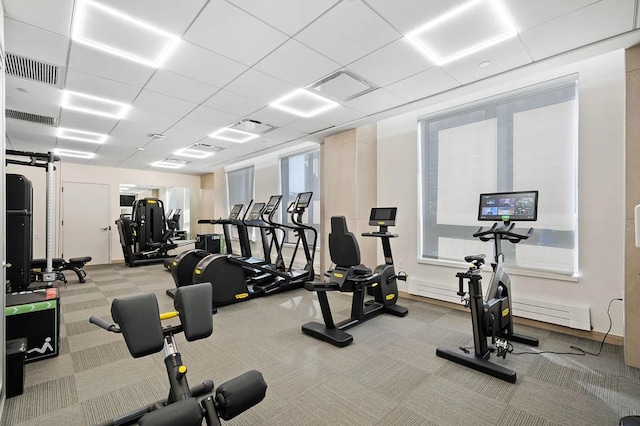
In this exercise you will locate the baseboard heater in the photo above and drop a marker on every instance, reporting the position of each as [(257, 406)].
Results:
[(572, 316)]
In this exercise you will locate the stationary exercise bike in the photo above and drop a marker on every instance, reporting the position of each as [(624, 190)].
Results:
[(138, 319), (493, 318), (352, 277)]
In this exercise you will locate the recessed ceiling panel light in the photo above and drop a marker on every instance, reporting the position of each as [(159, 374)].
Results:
[(71, 153), (114, 32), (93, 105), (233, 135), (193, 153), (169, 164), (303, 103), (488, 24), (81, 135)]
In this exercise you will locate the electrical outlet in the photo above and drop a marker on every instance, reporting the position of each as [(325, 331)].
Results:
[(36, 236)]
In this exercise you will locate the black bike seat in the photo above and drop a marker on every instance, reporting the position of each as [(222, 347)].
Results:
[(475, 258)]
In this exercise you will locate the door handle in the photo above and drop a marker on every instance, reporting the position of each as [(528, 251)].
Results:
[(105, 228)]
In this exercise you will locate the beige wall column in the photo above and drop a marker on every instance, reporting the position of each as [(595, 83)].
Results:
[(207, 194), (632, 185), (349, 188)]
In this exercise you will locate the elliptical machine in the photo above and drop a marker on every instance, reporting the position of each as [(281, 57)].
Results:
[(493, 317)]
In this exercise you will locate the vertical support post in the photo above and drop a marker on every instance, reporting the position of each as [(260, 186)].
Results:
[(50, 210)]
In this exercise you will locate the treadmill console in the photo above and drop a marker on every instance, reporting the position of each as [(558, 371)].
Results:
[(383, 216), (272, 204), (303, 200), (235, 211), (255, 212)]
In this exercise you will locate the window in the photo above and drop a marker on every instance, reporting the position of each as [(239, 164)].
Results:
[(522, 140), (301, 173), (239, 189)]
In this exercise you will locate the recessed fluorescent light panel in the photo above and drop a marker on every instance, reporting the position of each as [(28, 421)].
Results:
[(169, 164), (462, 31), (304, 103), (109, 30), (81, 135), (193, 153), (233, 135), (95, 105), (75, 154)]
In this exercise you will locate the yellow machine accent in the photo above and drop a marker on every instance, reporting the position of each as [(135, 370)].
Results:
[(198, 271), (390, 296), (338, 275), (381, 222), (182, 369), (167, 315), (175, 263), (374, 284), (505, 312), (242, 295), (151, 201)]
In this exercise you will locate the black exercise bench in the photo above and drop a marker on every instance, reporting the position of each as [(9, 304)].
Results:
[(75, 264)]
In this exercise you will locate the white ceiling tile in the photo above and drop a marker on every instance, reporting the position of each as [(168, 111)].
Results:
[(193, 130), (168, 15), (599, 21), (339, 115), (376, 101), (260, 86), (35, 43), (32, 106), (407, 15), (158, 102), (28, 128), (28, 141), (427, 83), (137, 133), (89, 122), (77, 145), (212, 116), (234, 103), (54, 16), (308, 126), (347, 32), (507, 55), (137, 115), (273, 117), (200, 64), (230, 31), (93, 61), (391, 63), (90, 84), (527, 14), (180, 87), (285, 134), (297, 64), (298, 13), (36, 92)]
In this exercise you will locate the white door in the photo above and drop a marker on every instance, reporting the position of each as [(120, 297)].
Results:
[(85, 221)]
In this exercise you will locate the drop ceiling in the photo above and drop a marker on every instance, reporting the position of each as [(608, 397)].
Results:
[(234, 58)]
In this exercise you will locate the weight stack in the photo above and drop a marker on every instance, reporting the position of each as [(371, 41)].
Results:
[(19, 232)]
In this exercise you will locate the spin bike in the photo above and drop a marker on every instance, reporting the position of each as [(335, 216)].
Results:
[(138, 319), (493, 318)]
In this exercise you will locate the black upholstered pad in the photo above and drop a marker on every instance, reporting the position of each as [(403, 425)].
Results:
[(186, 412), (139, 319), (42, 263), (630, 421), (82, 260), (193, 303), (239, 394), (343, 245)]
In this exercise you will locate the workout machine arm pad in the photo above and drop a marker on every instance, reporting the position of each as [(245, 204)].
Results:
[(105, 325), (239, 394)]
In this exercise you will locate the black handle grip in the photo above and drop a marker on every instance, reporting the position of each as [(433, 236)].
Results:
[(103, 324), (481, 231)]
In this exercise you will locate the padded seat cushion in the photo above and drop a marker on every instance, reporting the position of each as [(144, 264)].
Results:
[(42, 263), (362, 270), (84, 259)]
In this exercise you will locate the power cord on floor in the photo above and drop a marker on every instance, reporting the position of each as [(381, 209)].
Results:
[(581, 352)]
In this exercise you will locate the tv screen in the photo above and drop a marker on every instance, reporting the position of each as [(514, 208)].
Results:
[(127, 200), (509, 206)]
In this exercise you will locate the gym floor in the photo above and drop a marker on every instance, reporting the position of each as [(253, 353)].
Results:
[(389, 375)]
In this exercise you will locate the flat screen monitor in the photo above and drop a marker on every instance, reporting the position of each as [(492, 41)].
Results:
[(383, 216), (255, 211), (273, 202), (509, 206), (304, 199), (235, 211), (127, 200)]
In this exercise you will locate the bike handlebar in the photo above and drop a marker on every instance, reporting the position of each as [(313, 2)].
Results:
[(105, 325), (503, 231)]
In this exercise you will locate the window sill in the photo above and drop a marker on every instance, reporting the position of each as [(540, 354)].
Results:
[(510, 271)]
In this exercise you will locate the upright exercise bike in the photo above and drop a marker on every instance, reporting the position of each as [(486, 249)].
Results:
[(492, 318)]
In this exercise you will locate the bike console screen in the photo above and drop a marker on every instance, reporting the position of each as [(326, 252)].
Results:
[(235, 211), (509, 206), (304, 199), (273, 202), (383, 216), (255, 211)]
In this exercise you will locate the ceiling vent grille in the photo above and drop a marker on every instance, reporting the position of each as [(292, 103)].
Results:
[(30, 69), (252, 126), (33, 118)]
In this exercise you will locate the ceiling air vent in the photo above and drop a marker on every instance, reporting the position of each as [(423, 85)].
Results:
[(30, 69), (252, 126), (33, 118), (342, 86)]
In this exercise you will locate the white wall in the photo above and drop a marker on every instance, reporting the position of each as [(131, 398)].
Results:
[(72, 172), (600, 182)]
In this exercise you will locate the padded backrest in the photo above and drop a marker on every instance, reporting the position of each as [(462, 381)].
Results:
[(124, 227), (193, 303), (139, 319), (343, 246)]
